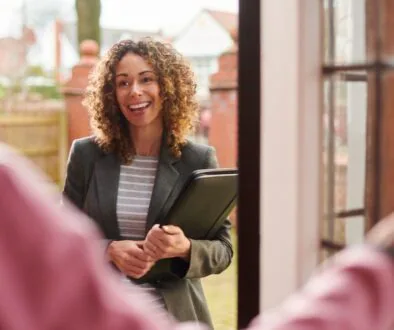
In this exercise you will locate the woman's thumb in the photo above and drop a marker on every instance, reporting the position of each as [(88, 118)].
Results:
[(172, 230)]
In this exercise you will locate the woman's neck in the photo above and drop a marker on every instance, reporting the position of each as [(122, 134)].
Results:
[(147, 140)]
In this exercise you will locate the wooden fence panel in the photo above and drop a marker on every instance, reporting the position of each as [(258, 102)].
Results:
[(40, 136)]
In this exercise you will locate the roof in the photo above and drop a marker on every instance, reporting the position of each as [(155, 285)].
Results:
[(229, 21)]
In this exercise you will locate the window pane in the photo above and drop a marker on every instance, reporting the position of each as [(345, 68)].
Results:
[(344, 29), (345, 107)]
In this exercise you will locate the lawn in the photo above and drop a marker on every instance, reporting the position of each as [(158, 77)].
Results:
[(221, 293)]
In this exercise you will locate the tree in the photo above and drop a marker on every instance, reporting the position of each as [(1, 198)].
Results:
[(88, 14)]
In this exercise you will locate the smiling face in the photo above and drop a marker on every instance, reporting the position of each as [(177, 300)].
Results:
[(138, 93)]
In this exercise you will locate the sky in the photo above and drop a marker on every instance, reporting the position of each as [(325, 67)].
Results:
[(169, 15)]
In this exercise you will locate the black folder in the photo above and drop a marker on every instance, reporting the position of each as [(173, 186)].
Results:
[(204, 203), (201, 208)]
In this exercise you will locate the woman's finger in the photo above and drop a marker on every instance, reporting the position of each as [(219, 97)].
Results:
[(136, 270), (151, 250), (158, 234), (161, 246), (135, 262)]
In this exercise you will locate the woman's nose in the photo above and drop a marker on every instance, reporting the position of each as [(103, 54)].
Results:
[(135, 89)]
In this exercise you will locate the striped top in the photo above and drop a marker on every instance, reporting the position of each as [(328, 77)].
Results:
[(134, 195)]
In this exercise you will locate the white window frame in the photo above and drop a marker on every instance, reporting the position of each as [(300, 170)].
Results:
[(291, 146)]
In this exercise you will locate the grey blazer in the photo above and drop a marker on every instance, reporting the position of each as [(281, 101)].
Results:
[(92, 185)]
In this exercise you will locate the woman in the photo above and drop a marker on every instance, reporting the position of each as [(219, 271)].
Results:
[(141, 99)]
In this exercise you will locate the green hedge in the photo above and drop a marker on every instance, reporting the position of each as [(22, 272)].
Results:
[(47, 92)]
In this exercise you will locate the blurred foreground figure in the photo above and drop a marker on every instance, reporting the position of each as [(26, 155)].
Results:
[(53, 276)]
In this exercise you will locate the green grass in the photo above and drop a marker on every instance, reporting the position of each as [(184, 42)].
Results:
[(221, 293)]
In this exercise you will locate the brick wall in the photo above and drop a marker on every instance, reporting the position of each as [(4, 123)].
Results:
[(223, 130), (73, 90)]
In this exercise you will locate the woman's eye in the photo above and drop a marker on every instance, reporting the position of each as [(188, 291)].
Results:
[(147, 79), (123, 83)]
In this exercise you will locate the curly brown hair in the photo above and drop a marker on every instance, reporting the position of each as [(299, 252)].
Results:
[(177, 91)]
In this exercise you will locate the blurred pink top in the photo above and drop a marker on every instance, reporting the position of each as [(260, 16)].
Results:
[(53, 275)]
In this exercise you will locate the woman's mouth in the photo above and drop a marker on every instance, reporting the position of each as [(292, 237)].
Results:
[(138, 107)]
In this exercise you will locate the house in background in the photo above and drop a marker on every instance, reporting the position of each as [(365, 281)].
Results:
[(57, 49), (14, 53), (202, 41), (54, 51)]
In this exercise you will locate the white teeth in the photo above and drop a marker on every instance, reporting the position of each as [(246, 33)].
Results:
[(138, 106)]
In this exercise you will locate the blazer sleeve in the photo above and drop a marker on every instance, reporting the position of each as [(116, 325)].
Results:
[(74, 186), (208, 256), (76, 180)]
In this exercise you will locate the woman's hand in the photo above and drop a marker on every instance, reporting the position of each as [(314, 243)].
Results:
[(130, 258), (167, 242)]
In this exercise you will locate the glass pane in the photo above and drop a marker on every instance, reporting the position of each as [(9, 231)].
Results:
[(345, 113), (344, 31)]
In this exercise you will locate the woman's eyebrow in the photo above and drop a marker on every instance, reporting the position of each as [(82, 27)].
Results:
[(123, 74), (146, 71)]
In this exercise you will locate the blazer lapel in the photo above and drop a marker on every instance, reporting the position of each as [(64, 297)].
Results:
[(166, 177), (107, 175)]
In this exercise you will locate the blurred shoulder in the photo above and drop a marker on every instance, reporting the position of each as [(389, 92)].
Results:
[(86, 145), (198, 155), (197, 149)]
